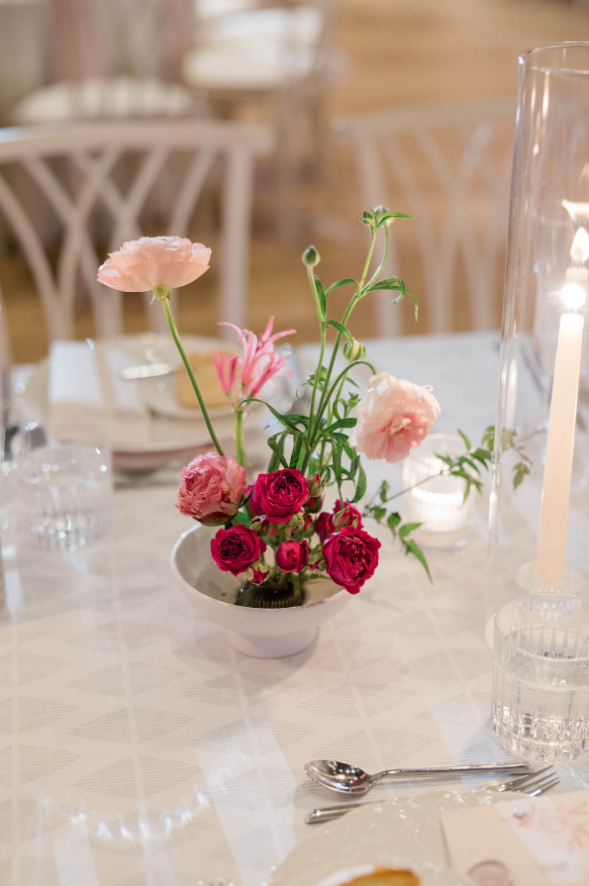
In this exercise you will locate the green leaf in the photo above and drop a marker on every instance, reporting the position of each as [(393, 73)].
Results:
[(242, 518), (360, 485), (382, 492), (277, 448), (411, 547), (390, 283), (467, 442), (489, 438), (322, 299), (520, 471), (296, 450), (415, 303), (407, 528), (342, 423), (341, 329), (390, 215), (283, 419), (393, 521), (378, 513), (340, 283), (465, 460)]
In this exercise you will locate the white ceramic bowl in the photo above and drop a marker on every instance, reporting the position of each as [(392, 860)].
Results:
[(264, 633)]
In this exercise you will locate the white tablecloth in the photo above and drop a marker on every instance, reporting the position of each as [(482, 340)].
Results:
[(137, 748)]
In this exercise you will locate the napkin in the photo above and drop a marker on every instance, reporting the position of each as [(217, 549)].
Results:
[(525, 842), (85, 386)]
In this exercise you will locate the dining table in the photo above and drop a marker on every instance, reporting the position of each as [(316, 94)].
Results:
[(139, 748)]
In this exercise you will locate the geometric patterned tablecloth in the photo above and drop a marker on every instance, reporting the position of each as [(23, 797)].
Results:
[(137, 748)]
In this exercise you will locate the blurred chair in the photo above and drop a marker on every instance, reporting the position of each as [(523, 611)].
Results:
[(114, 58), (96, 198), (283, 54), (449, 167)]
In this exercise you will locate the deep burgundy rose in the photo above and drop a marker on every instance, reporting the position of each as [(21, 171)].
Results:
[(258, 577), (292, 556), (352, 557), (341, 517), (279, 495), (235, 549)]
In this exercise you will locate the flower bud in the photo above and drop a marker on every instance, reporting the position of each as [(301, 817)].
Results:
[(257, 572), (259, 525), (380, 212), (296, 522), (315, 486), (317, 561), (367, 218), (161, 292), (311, 257), (354, 350)]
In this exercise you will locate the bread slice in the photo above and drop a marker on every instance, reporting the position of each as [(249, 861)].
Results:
[(206, 377), (385, 877)]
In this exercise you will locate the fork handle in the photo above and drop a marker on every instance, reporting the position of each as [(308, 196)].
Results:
[(475, 769)]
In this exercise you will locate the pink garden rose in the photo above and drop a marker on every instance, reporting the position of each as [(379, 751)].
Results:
[(279, 494), (141, 265), (210, 488), (235, 549), (352, 557), (394, 417), (292, 556), (341, 516)]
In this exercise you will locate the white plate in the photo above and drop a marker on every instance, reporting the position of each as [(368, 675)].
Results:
[(403, 832), (169, 436)]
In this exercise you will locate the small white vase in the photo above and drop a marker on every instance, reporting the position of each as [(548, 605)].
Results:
[(263, 633)]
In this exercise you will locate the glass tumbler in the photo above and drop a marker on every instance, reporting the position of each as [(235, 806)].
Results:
[(434, 500), (540, 707), (68, 487)]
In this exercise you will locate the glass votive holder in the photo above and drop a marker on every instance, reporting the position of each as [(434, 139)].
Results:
[(436, 500), (68, 487), (540, 707)]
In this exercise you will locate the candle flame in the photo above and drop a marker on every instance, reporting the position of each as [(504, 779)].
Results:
[(580, 247), (573, 295)]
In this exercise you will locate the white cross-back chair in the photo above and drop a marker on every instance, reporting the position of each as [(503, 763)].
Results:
[(448, 167), (96, 180)]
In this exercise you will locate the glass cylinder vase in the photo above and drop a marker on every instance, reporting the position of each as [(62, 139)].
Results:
[(539, 518)]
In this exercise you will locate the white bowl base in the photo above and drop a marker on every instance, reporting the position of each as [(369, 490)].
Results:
[(278, 646)]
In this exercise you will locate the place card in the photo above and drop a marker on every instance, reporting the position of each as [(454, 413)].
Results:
[(524, 842)]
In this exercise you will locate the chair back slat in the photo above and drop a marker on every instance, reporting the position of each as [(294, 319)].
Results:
[(98, 188), (449, 168)]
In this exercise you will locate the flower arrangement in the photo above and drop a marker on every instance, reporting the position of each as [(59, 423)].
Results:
[(276, 532)]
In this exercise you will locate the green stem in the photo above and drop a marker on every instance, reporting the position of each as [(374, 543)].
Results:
[(239, 450), (355, 299), (313, 284), (165, 302)]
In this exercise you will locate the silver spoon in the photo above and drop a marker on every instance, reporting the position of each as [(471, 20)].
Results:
[(353, 780)]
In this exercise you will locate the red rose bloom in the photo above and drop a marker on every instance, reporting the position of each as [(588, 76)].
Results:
[(235, 549), (292, 556), (341, 517), (279, 495), (352, 557)]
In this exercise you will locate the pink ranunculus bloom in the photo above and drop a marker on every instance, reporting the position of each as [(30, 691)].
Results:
[(235, 549), (210, 488), (394, 417), (141, 265), (292, 556), (245, 377), (352, 557), (341, 516)]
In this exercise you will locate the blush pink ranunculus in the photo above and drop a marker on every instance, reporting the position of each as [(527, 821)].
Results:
[(141, 265), (394, 417), (210, 488)]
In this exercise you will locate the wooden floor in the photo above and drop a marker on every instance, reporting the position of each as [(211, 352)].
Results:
[(397, 53)]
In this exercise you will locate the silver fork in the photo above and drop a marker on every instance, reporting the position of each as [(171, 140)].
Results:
[(533, 785)]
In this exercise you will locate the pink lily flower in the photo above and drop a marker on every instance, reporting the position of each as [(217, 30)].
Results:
[(259, 363)]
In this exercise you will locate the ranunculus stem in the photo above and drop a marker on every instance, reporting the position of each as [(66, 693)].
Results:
[(165, 303), (239, 450)]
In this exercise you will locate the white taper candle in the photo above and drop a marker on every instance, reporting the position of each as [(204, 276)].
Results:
[(554, 511)]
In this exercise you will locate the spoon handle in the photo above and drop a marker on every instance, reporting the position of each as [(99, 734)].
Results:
[(475, 769)]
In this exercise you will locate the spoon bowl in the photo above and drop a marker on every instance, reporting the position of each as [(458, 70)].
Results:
[(339, 776)]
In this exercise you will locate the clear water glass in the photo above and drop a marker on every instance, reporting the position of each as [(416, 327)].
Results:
[(433, 500), (68, 487), (540, 706)]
